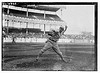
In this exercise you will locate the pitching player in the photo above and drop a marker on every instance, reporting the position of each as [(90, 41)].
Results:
[(51, 42)]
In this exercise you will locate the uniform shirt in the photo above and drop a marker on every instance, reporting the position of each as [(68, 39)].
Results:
[(54, 36)]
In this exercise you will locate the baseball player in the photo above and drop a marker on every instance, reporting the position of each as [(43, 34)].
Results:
[(51, 42)]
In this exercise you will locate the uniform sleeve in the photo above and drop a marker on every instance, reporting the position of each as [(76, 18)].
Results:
[(50, 34), (64, 30)]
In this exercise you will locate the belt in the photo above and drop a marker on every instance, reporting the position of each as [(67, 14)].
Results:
[(52, 40)]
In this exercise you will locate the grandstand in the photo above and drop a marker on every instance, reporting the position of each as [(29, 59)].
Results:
[(29, 19)]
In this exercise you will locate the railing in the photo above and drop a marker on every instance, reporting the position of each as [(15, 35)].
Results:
[(42, 40)]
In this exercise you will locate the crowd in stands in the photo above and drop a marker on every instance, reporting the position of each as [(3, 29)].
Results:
[(41, 35), (24, 35)]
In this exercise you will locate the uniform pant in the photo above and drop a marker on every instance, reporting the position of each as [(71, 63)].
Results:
[(48, 45)]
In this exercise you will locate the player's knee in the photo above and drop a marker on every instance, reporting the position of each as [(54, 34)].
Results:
[(60, 53), (41, 52)]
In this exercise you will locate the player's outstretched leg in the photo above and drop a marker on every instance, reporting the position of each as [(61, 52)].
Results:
[(45, 48), (59, 53), (41, 52)]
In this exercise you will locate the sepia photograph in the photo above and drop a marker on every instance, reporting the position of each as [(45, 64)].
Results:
[(49, 36)]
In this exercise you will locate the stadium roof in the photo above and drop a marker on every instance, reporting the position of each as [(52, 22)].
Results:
[(31, 15), (32, 5)]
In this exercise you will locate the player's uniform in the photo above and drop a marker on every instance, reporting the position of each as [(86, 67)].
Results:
[(51, 42)]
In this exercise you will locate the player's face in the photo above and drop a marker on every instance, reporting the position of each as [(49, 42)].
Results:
[(60, 30)]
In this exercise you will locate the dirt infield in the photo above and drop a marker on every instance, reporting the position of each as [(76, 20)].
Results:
[(21, 56)]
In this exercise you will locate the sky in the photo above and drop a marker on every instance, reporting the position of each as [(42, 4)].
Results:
[(78, 18)]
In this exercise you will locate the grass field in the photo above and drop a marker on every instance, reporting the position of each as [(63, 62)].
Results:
[(21, 56)]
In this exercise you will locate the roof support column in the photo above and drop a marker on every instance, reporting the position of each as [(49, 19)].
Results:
[(27, 22), (8, 18), (44, 24)]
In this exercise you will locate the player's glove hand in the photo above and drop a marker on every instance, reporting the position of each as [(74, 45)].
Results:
[(65, 27)]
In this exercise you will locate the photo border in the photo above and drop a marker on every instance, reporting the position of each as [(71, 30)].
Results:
[(66, 3)]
